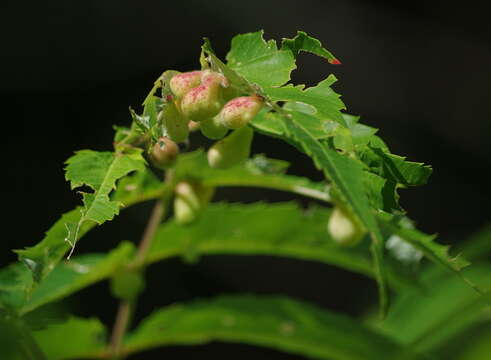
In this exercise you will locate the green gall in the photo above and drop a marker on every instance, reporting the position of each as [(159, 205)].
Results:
[(343, 229), (202, 102), (175, 124), (239, 111), (212, 128), (209, 76), (190, 199), (164, 152), (180, 84), (231, 150), (227, 91), (127, 284)]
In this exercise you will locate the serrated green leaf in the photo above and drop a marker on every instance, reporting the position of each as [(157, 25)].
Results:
[(235, 80), (429, 319), (382, 193), (361, 134), (434, 251), (42, 257), (272, 229), (78, 273), (304, 42), (395, 168), (99, 171), (16, 341), (326, 102), (346, 176), (195, 165), (138, 187), (258, 61), (76, 338), (276, 322), (15, 283)]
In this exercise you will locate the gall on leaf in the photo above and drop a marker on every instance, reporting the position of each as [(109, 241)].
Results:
[(206, 100), (344, 230), (239, 111), (213, 128), (127, 284), (180, 84), (164, 152), (190, 199), (232, 150)]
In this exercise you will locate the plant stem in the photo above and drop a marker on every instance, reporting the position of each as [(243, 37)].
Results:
[(120, 326), (148, 234), (126, 307)]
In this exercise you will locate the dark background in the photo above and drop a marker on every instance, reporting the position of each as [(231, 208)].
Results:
[(420, 71)]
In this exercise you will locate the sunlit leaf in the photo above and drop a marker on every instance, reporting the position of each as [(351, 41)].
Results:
[(304, 42), (253, 173), (98, 171), (259, 61), (327, 103), (272, 229)]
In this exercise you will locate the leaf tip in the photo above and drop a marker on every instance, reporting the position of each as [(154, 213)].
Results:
[(334, 61)]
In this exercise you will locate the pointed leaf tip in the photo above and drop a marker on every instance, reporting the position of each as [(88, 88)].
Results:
[(334, 62)]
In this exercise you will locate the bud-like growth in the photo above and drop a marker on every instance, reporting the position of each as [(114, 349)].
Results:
[(190, 199), (127, 284), (228, 92), (343, 228), (205, 100), (164, 152), (231, 150), (212, 128), (209, 76), (239, 111), (180, 84), (202, 102)]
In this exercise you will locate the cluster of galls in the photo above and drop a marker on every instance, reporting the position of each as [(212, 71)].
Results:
[(205, 100)]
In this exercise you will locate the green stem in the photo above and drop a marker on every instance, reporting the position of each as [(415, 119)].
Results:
[(126, 307)]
